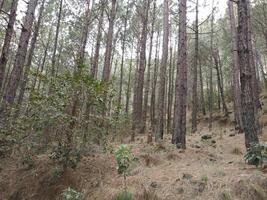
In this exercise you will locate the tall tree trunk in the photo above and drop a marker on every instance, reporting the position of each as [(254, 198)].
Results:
[(211, 70), (248, 111), (179, 131), (94, 68), (163, 68), (53, 69), (85, 31), (7, 41), (17, 71), (107, 63), (30, 56), (1, 4), (255, 86), (138, 100), (148, 78), (154, 86), (195, 71), (219, 78), (123, 52), (201, 89), (236, 69), (128, 91)]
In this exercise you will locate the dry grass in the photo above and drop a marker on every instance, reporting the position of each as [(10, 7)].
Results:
[(237, 151), (147, 194)]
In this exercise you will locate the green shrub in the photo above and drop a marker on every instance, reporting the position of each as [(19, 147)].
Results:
[(124, 158), (71, 194), (66, 156), (257, 155), (123, 195)]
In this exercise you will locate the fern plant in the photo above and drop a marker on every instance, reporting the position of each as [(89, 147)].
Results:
[(257, 155)]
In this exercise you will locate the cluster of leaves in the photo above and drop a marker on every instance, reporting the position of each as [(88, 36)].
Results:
[(124, 158), (66, 156), (71, 194), (257, 155)]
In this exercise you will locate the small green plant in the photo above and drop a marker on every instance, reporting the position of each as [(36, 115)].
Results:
[(123, 195), (257, 155), (27, 161), (66, 157), (57, 172), (71, 194), (205, 179), (124, 158), (226, 196)]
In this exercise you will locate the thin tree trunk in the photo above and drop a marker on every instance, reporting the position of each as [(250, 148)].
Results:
[(248, 111), (195, 72), (179, 131), (53, 69), (163, 68), (255, 86), (7, 41), (148, 78), (94, 68), (154, 86), (123, 53), (202, 90), (211, 71), (219, 78), (1, 4), (128, 91)]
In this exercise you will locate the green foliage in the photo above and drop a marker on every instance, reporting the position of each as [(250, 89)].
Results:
[(123, 195), (257, 155), (66, 156), (124, 158), (226, 196), (57, 172), (27, 161), (71, 194)]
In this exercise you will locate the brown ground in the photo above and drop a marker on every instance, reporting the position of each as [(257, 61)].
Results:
[(208, 170)]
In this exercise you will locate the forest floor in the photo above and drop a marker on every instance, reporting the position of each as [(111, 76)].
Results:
[(209, 169)]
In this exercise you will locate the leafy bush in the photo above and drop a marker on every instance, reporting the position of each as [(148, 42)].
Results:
[(66, 156), (71, 194), (124, 158), (124, 195), (257, 155)]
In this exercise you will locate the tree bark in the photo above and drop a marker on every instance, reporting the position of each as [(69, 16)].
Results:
[(107, 63), (94, 68), (7, 41), (154, 86), (236, 69), (248, 111), (53, 69), (179, 131), (211, 70), (219, 78), (148, 78), (138, 100), (30, 55), (195, 71), (123, 53), (17, 71), (163, 68)]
